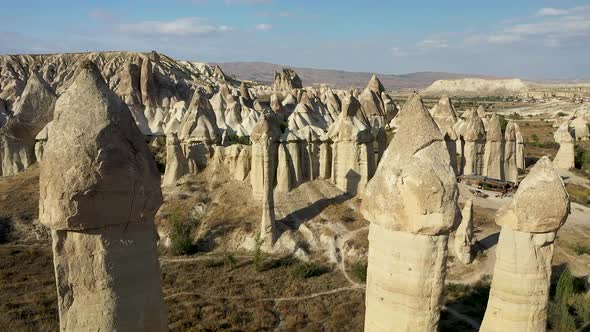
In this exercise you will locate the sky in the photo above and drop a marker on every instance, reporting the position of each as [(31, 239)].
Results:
[(540, 39)]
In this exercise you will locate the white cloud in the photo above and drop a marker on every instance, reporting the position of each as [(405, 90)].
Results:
[(179, 27), (429, 44), (263, 26), (551, 27), (551, 12)]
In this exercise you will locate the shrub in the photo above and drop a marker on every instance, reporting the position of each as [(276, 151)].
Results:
[(582, 158), (561, 114), (359, 271), (581, 249), (5, 230), (181, 229), (560, 318), (309, 270), (258, 253), (515, 116), (535, 138)]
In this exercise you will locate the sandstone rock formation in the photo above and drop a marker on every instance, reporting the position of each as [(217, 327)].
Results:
[(409, 227), (580, 129), (31, 113), (176, 163), (265, 142), (445, 116), (473, 137), (286, 80), (353, 160), (464, 234), (476, 87), (99, 192), (510, 167), (520, 286), (493, 160), (566, 155), (520, 160)]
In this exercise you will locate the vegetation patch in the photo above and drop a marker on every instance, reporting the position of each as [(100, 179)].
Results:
[(359, 271), (309, 270)]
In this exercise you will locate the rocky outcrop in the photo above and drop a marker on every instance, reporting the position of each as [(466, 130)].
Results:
[(520, 160), (265, 142), (464, 234), (31, 113), (580, 129), (565, 157), (286, 80), (520, 286), (353, 159), (493, 160), (473, 136), (409, 228), (371, 103), (445, 116), (99, 192), (510, 168), (176, 163), (40, 141), (199, 132), (476, 87)]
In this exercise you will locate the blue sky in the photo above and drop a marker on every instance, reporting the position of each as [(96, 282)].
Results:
[(526, 38)]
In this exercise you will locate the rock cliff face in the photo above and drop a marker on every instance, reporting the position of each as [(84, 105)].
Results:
[(99, 192), (476, 86), (520, 286), (409, 227), (31, 113), (286, 80), (566, 155)]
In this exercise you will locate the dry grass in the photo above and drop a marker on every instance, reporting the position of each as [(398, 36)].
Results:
[(29, 299)]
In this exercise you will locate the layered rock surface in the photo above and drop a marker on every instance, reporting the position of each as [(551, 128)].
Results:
[(409, 227), (522, 273), (99, 192)]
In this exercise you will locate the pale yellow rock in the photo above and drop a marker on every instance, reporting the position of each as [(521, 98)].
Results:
[(411, 203), (267, 129), (353, 159), (31, 113), (520, 159), (464, 234), (522, 273), (473, 136), (565, 157), (176, 163), (510, 167), (99, 192), (493, 159), (445, 116)]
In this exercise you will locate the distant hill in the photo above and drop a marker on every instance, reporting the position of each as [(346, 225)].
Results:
[(263, 72)]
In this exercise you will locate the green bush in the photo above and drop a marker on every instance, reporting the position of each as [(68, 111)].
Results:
[(561, 114), (309, 270), (581, 249), (181, 229), (515, 116), (582, 158), (5, 230), (258, 253), (570, 307), (359, 271)]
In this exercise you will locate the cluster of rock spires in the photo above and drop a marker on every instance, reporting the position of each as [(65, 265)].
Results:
[(286, 79), (411, 203), (480, 145), (100, 190)]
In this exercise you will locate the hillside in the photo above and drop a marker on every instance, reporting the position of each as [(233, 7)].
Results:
[(263, 72)]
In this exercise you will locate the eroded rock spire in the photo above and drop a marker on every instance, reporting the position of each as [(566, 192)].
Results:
[(99, 192), (411, 203)]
